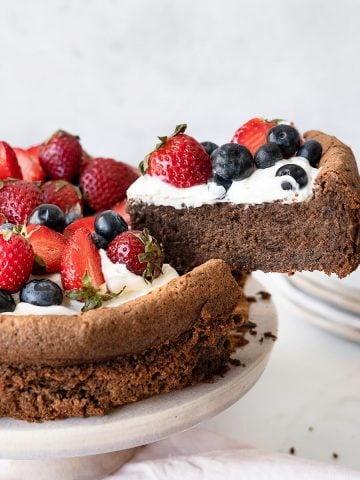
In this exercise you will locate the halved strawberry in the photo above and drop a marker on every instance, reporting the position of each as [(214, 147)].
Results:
[(253, 133), (86, 222), (29, 163), (120, 208), (81, 273), (9, 165), (48, 246), (3, 219)]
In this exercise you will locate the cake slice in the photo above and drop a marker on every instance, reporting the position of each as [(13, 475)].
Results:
[(310, 228)]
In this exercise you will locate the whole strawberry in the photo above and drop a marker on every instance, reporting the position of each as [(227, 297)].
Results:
[(179, 160), (60, 157), (139, 251), (16, 260), (9, 165), (18, 199), (63, 194), (253, 133), (104, 182)]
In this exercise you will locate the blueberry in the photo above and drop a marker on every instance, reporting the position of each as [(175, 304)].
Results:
[(109, 224), (209, 147), (222, 181), (286, 137), (42, 292), (7, 303), (7, 226), (232, 162), (312, 150), (295, 171), (71, 216), (267, 155), (286, 185), (49, 215), (99, 241)]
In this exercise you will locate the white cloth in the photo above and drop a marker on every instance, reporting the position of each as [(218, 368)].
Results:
[(202, 455)]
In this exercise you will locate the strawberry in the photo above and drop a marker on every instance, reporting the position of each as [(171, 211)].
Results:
[(18, 199), (121, 209), (81, 273), (16, 260), (29, 163), (3, 219), (179, 160), (48, 246), (85, 222), (139, 251), (104, 181), (253, 133), (9, 165), (63, 194), (61, 156)]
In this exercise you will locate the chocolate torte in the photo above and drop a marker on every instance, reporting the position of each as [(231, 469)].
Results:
[(319, 232), (58, 366)]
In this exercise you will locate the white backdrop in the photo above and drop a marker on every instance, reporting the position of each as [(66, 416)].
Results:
[(118, 73)]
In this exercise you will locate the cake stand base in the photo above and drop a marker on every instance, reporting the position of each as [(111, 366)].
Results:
[(92, 467), (78, 448)]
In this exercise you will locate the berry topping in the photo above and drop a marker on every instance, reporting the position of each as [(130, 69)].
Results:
[(48, 246), (61, 156), (85, 222), (16, 260), (109, 224), (286, 137), (7, 303), (18, 199), (139, 251), (295, 171), (72, 216), (9, 165), (312, 151), (232, 162), (29, 163), (209, 147), (49, 215), (222, 181), (104, 182), (81, 273), (99, 241), (253, 133), (267, 155), (121, 209), (7, 226), (63, 194), (179, 160), (286, 185), (41, 292)]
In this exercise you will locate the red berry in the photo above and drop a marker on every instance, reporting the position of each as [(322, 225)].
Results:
[(253, 133), (85, 222), (139, 251), (29, 163), (179, 160), (16, 260), (9, 165), (18, 199), (63, 194), (48, 246), (61, 156), (81, 258), (104, 182), (121, 209)]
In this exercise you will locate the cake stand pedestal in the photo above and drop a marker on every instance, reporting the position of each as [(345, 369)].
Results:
[(91, 448)]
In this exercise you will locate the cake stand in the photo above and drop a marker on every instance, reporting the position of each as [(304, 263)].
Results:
[(92, 448)]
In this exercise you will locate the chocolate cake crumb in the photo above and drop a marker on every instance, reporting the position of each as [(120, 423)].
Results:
[(251, 299), (264, 295), (261, 340), (292, 451), (236, 362), (335, 456), (270, 335)]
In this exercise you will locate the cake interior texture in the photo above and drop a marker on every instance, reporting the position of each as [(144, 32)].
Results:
[(319, 234)]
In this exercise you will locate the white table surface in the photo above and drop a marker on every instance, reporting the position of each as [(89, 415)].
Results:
[(312, 380)]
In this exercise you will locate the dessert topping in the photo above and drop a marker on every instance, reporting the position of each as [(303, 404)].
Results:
[(286, 137), (109, 224), (42, 292), (267, 155), (48, 246), (9, 165), (139, 251), (209, 147), (232, 162), (312, 151), (253, 133), (18, 199), (49, 215), (295, 171), (63, 194), (29, 163), (179, 160), (7, 303)]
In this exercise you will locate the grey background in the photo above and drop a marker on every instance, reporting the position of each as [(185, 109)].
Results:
[(118, 73)]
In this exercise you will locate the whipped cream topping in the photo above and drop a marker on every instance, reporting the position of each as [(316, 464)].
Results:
[(261, 187), (117, 277)]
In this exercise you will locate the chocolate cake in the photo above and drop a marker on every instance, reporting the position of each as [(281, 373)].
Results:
[(321, 233), (58, 366)]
